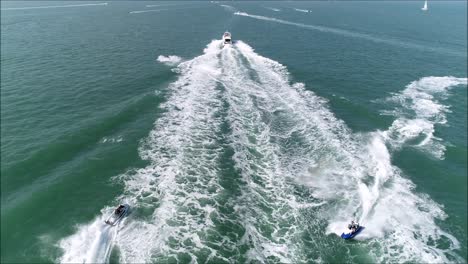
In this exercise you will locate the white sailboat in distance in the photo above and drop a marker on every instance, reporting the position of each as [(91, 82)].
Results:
[(425, 6)]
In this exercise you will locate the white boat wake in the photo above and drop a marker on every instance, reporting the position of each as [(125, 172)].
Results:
[(246, 167), (92, 243), (302, 10), (353, 34), (419, 108)]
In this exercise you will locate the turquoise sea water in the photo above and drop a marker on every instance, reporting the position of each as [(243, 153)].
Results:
[(259, 152)]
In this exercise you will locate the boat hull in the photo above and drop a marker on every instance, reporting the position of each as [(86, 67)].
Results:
[(352, 235), (114, 219)]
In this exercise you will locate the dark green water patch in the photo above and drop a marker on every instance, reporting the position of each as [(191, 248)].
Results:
[(68, 147)]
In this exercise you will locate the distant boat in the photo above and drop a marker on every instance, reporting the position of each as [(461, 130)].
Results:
[(425, 6), (227, 38)]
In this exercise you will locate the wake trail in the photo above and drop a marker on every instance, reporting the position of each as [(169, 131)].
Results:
[(92, 243), (180, 190), (46, 7), (293, 128), (162, 5), (298, 174), (351, 174), (228, 8), (146, 11), (177, 193), (159, 10), (353, 34), (266, 205), (273, 9), (419, 108), (302, 10)]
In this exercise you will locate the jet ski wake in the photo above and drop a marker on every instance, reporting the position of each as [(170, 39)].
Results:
[(245, 165)]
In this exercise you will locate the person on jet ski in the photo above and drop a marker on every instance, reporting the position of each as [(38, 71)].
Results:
[(353, 226), (119, 209)]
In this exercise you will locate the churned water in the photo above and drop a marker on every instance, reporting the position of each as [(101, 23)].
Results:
[(256, 152)]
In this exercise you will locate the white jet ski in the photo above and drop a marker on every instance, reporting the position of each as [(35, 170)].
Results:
[(120, 212), (227, 38)]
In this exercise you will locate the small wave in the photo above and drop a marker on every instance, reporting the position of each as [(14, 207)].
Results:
[(112, 139), (302, 10), (58, 6), (180, 187), (419, 109), (351, 173), (170, 60), (145, 11), (162, 5), (353, 34), (273, 9), (158, 10), (92, 243)]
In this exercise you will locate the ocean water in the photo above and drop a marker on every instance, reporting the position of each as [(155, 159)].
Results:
[(256, 152)]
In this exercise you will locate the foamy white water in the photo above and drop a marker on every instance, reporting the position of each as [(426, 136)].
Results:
[(301, 171), (92, 243), (158, 10), (162, 5), (419, 109), (255, 157), (353, 34), (338, 164), (228, 8), (181, 184), (170, 60)]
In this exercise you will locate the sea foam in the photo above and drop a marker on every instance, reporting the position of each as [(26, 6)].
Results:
[(297, 173), (170, 60), (419, 109)]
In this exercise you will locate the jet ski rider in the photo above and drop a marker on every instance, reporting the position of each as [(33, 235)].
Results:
[(353, 226), (119, 209)]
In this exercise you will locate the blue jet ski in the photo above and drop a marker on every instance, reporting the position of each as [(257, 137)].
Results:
[(355, 229)]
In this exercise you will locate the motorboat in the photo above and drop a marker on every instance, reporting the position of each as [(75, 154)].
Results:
[(120, 212), (227, 38)]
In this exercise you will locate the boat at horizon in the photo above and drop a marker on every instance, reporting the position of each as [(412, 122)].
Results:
[(227, 38)]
